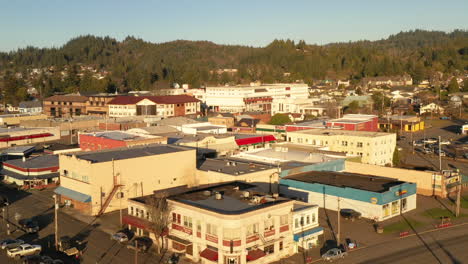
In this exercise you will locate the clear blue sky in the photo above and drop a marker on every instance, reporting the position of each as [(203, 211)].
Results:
[(45, 23)]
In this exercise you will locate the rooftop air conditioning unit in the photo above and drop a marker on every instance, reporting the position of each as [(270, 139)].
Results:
[(218, 196)]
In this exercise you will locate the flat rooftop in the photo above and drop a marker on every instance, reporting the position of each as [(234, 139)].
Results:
[(120, 135), (233, 201), (283, 155), (233, 166), (346, 180), (127, 152), (334, 132), (347, 121), (43, 161)]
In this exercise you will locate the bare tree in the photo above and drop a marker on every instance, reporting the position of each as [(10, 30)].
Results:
[(159, 217)]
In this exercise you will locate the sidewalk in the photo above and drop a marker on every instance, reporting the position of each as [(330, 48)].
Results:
[(108, 223)]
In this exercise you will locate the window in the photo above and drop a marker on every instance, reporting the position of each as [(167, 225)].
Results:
[(84, 178), (283, 220), (147, 215), (269, 225), (395, 207), (174, 217), (211, 229), (252, 229), (65, 173), (359, 144), (313, 218), (281, 245), (131, 210), (404, 204), (178, 218), (231, 233), (188, 221), (198, 226), (296, 223), (344, 143), (307, 220), (269, 249), (386, 210)]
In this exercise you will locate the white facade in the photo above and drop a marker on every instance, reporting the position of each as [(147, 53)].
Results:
[(431, 108), (306, 218), (294, 105), (373, 147), (233, 98)]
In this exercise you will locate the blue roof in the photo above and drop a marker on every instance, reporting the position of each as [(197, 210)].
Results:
[(81, 197), (311, 231)]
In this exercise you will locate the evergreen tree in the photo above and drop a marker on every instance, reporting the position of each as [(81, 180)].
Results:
[(453, 86)]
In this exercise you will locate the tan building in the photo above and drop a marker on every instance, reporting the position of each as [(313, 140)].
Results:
[(93, 181), (65, 105), (97, 103), (228, 223), (16, 136), (373, 147), (222, 121), (16, 119)]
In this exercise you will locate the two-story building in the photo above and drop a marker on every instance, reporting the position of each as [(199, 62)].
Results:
[(68, 105), (164, 106), (230, 223)]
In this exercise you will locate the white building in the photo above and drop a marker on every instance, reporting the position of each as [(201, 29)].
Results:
[(30, 107), (252, 98), (373, 147), (307, 106), (431, 108)]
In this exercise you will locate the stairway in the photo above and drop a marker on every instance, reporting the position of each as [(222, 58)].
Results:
[(109, 199)]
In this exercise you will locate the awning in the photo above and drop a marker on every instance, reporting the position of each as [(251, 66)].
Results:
[(313, 231), (179, 240), (77, 196), (255, 254), (135, 221), (209, 254)]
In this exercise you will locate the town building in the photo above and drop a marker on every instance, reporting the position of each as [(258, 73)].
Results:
[(96, 104), (16, 136), (34, 172), (164, 106), (307, 106), (249, 141), (30, 107), (373, 147), (236, 99), (228, 223), (17, 119), (376, 198), (67, 105), (355, 122), (116, 139), (431, 108), (92, 182), (222, 121), (401, 123)]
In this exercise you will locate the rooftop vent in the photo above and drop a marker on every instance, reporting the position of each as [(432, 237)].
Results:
[(246, 194), (218, 196), (207, 193)]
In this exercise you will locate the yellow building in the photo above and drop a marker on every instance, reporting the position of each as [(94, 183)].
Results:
[(373, 147), (101, 181), (231, 223), (401, 123)]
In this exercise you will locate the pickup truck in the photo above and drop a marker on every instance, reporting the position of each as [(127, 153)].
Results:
[(333, 254), (24, 250)]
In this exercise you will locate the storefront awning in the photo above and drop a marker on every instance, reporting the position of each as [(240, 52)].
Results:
[(209, 254), (255, 254), (80, 197), (313, 231), (179, 240)]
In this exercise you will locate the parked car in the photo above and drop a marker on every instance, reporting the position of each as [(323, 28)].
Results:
[(29, 225), (350, 214), (418, 143), (142, 244), (119, 237), (333, 254), (11, 243), (24, 250), (68, 246), (445, 142), (430, 140), (445, 118), (441, 153), (427, 151)]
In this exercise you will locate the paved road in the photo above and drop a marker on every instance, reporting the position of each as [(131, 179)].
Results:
[(443, 246), (39, 204)]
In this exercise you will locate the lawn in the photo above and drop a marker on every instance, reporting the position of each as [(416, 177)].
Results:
[(437, 213), (403, 225)]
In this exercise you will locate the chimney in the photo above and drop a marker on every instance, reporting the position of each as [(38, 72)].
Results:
[(24, 159)]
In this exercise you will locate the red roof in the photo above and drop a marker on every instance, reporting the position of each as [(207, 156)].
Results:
[(209, 254), (255, 140), (168, 99)]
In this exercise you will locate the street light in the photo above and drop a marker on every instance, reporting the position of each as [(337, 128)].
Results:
[(56, 221)]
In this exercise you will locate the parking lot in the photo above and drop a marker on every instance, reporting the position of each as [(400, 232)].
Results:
[(97, 247)]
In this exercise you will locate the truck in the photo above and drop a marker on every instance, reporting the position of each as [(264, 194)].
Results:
[(68, 246)]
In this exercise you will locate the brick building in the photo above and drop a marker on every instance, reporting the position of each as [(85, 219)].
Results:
[(116, 139)]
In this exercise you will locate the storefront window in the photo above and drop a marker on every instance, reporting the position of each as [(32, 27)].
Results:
[(404, 204), (395, 207), (386, 210)]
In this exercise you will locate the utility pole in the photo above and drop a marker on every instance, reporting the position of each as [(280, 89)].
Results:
[(136, 251), (120, 205), (339, 226), (459, 189), (440, 158), (56, 222)]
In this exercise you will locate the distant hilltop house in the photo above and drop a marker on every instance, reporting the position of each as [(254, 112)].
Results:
[(390, 81), (33, 107), (221, 71), (431, 108)]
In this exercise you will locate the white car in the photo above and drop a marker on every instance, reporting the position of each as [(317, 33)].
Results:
[(120, 237), (445, 142), (430, 141), (24, 250)]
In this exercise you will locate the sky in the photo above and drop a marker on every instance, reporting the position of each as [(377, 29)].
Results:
[(51, 23)]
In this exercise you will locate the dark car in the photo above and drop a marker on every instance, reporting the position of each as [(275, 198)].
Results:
[(10, 243), (142, 244), (350, 214), (29, 225)]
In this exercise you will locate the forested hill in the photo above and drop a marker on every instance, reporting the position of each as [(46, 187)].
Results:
[(140, 65)]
